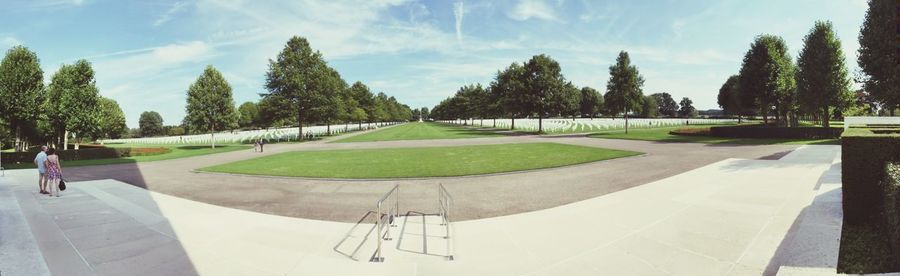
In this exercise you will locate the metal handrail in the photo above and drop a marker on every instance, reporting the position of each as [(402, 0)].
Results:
[(445, 202), (389, 216)]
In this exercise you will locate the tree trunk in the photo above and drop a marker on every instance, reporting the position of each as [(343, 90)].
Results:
[(513, 126), (495, 122), (18, 139), (825, 120), (626, 121), (360, 124), (299, 125), (540, 123), (212, 136), (65, 139), (328, 128)]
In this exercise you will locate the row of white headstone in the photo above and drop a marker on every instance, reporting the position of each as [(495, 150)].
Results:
[(589, 125), (249, 136)]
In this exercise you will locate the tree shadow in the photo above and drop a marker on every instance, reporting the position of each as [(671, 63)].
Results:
[(133, 231)]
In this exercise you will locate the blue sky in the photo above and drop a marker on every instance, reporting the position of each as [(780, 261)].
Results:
[(146, 53)]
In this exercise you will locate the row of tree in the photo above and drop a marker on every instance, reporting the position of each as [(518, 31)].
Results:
[(819, 83), (302, 90), (70, 107), (537, 88)]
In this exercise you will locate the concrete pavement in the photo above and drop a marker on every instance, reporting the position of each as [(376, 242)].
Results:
[(730, 217)]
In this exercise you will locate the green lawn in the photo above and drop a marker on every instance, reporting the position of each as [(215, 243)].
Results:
[(420, 131), (420, 162), (177, 151), (662, 135)]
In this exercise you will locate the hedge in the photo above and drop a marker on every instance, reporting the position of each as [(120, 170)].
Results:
[(68, 155), (892, 207), (865, 153), (760, 131)]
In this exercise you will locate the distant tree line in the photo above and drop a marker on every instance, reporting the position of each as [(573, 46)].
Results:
[(537, 89), (301, 90)]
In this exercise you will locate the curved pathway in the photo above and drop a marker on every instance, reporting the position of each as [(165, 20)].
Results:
[(476, 196)]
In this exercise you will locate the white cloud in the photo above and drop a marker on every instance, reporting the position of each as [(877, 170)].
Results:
[(458, 12), (167, 16), (10, 41), (175, 53), (536, 9)]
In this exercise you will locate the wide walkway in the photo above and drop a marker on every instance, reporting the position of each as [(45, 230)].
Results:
[(732, 217), (478, 196)]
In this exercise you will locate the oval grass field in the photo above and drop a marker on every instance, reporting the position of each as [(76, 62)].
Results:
[(420, 162)]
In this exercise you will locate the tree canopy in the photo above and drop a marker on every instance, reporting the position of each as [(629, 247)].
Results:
[(210, 106), (73, 99), (822, 79), (151, 124), (111, 124), (687, 109), (666, 104), (767, 77), (624, 90), (591, 102), (21, 89), (877, 54)]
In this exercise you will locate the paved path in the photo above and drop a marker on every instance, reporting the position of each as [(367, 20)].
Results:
[(731, 217), (478, 196)]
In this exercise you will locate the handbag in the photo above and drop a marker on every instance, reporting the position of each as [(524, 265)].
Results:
[(62, 184)]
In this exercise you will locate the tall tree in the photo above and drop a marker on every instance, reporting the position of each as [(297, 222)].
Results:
[(877, 54), (508, 91), (649, 107), (297, 77), (767, 76), (150, 124), (111, 123), (687, 109), (210, 106), (21, 89), (822, 79), (665, 104), (73, 95), (591, 102), (425, 114), (729, 99), (567, 103), (543, 81), (248, 115), (624, 90), (366, 100), (333, 106)]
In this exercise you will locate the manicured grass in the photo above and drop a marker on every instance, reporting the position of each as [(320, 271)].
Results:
[(420, 131), (662, 135), (177, 151), (420, 162)]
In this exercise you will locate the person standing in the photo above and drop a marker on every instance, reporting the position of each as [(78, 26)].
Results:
[(54, 171), (261, 144), (42, 170)]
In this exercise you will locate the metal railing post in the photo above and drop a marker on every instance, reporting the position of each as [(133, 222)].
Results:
[(378, 257)]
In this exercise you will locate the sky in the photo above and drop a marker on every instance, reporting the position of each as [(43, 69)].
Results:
[(146, 53)]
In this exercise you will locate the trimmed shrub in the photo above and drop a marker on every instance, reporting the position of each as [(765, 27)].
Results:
[(691, 131), (864, 155), (69, 155), (892, 206), (760, 131)]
